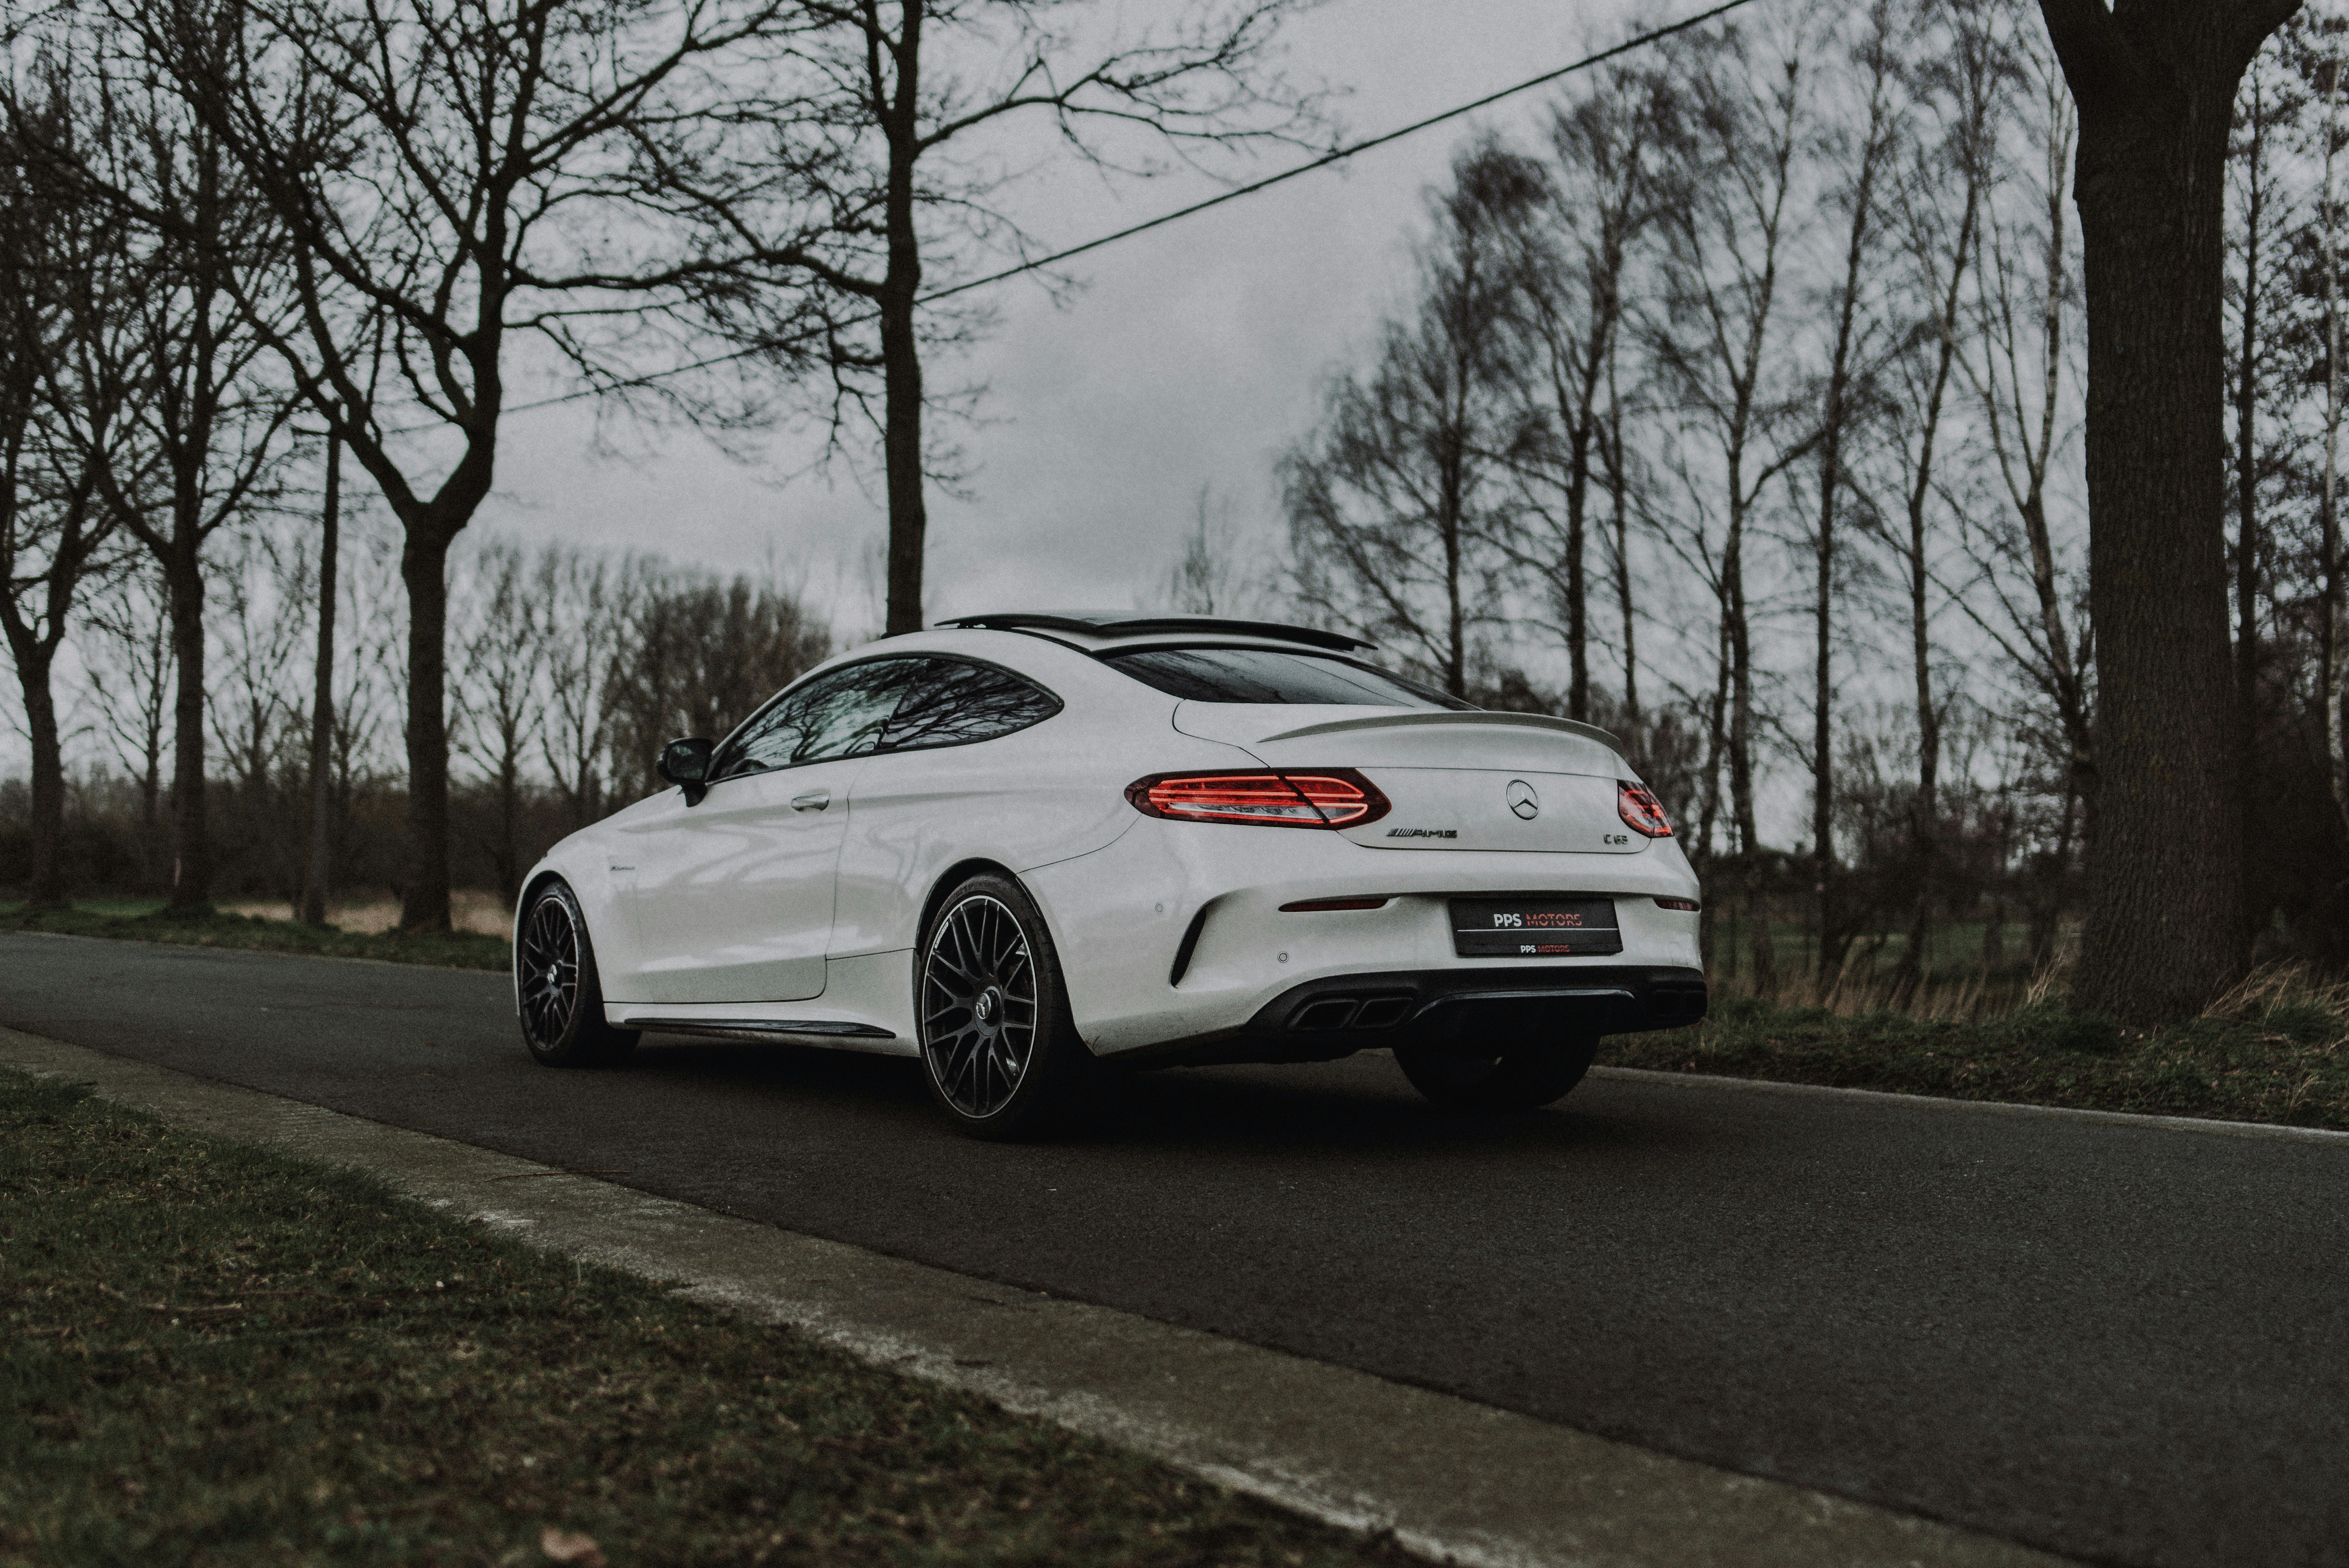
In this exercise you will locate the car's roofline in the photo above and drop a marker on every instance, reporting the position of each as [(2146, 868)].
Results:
[(1095, 630)]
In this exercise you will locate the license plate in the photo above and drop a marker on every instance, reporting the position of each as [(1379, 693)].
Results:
[(1534, 927)]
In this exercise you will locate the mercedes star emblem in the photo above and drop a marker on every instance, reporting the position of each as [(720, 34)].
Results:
[(1523, 800)]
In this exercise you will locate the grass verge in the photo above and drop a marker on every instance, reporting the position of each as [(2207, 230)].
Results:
[(214, 1355), (2272, 1052), (148, 923)]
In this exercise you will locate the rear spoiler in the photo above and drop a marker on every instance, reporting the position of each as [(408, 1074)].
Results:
[(1475, 716)]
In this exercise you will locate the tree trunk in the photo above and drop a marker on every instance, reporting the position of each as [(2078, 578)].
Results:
[(1823, 868), (1455, 644), (2330, 625), (46, 886), (424, 569), (1619, 498), (2247, 539), (322, 708), (2155, 88), (191, 862), (510, 828), (1577, 595), (901, 358), (1741, 765)]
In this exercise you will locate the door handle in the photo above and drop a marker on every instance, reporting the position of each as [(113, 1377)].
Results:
[(813, 801)]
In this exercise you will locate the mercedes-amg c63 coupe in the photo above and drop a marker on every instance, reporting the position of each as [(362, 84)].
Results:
[(1022, 847)]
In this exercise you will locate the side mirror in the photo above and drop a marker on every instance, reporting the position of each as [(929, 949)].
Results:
[(687, 763)]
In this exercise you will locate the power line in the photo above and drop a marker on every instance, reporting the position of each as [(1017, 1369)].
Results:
[(1324, 162)]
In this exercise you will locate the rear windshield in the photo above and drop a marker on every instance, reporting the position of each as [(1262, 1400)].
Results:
[(1273, 674)]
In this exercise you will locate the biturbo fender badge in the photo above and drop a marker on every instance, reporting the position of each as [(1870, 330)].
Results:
[(1522, 800), (1423, 832)]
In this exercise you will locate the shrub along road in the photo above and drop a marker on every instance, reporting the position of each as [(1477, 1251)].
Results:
[(2118, 1341)]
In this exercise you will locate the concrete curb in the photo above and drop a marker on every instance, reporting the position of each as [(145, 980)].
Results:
[(1451, 1478), (1985, 1107)]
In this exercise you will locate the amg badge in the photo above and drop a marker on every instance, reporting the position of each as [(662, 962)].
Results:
[(1423, 832)]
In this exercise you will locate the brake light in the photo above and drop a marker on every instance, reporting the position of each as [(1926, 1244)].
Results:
[(1320, 798), (1324, 905), (1641, 811), (1685, 905)]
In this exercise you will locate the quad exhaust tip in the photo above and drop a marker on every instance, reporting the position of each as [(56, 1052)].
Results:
[(1352, 1013)]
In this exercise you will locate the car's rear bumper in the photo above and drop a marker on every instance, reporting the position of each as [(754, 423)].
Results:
[(1175, 935), (1471, 1010)]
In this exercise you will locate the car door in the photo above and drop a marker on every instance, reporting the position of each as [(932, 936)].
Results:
[(734, 893)]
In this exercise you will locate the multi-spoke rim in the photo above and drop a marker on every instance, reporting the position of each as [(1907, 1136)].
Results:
[(979, 1005), (549, 960)]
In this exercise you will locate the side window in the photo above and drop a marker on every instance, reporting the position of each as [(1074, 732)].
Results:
[(837, 714), (954, 704)]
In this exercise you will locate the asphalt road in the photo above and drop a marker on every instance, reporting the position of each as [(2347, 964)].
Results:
[(2124, 1344)]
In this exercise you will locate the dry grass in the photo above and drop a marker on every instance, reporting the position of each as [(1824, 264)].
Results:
[(475, 910), (2275, 1048)]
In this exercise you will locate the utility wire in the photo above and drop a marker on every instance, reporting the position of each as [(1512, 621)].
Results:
[(1324, 162)]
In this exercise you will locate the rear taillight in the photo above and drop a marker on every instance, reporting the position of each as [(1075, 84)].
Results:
[(1641, 811), (1287, 797)]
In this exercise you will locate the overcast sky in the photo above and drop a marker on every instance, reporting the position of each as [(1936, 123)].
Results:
[(1190, 357)]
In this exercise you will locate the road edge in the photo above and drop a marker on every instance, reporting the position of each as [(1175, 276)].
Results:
[(1452, 1479), (2210, 1125)]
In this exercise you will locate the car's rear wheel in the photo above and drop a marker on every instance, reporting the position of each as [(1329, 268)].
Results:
[(560, 992), (1517, 1079), (999, 1049)]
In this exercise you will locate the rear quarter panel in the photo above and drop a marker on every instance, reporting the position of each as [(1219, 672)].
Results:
[(1052, 792)]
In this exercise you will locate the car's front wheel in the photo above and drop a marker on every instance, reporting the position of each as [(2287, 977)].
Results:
[(560, 992), (999, 1049), (1519, 1079)]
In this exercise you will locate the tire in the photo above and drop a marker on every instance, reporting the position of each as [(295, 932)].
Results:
[(1515, 1080), (999, 1049), (558, 993)]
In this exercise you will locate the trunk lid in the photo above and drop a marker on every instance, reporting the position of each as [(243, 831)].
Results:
[(1457, 780)]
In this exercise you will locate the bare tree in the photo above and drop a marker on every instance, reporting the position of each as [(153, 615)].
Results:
[(1391, 502), (2024, 593), (66, 276), (592, 183), (904, 90), (263, 588), (1214, 575), (1577, 254), (2316, 59), (586, 608), (501, 649), (1960, 74), (189, 348), (318, 861), (2260, 288), (126, 651), (1861, 151), (696, 655), (1726, 246)]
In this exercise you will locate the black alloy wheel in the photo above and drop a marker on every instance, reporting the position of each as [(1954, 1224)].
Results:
[(999, 1050), (560, 994), (1519, 1079)]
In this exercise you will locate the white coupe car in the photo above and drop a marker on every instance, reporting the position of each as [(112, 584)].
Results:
[(1021, 846)]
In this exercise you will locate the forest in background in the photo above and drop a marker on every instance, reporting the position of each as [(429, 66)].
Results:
[(1738, 411)]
